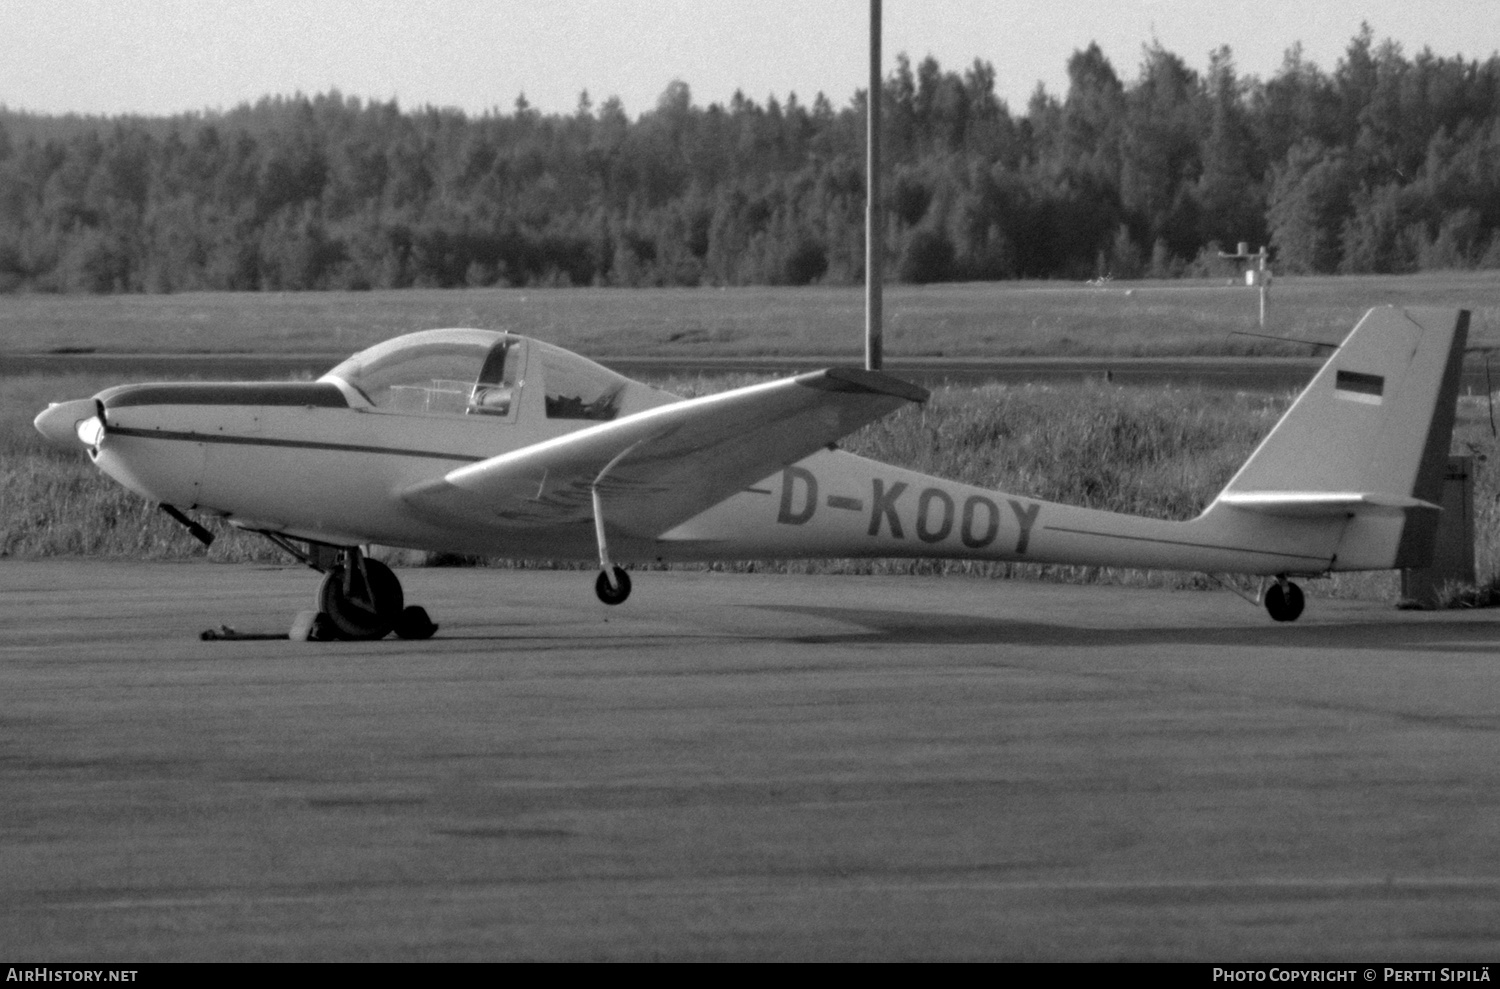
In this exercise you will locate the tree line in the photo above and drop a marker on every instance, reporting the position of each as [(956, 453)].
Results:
[(1388, 163)]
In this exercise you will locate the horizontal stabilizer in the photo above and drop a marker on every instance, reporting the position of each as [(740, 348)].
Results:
[(1319, 504)]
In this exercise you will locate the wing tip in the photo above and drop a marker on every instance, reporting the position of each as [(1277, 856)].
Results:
[(855, 379)]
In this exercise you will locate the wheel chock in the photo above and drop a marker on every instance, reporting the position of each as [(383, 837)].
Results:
[(414, 623), (311, 626)]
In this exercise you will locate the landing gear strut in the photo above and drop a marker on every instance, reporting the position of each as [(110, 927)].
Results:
[(1284, 600), (613, 583), (359, 598)]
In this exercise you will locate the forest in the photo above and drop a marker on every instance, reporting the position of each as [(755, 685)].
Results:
[(1387, 163)]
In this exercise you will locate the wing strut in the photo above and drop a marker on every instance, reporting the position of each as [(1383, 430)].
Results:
[(604, 563)]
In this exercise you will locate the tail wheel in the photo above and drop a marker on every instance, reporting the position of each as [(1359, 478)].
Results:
[(613, 593), (1284, 601), (362, 601)]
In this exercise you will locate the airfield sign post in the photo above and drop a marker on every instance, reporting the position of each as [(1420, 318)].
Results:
[(873, 227), (1256, 275)]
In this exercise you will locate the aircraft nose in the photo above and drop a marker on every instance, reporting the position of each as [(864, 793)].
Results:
[(60, 421)]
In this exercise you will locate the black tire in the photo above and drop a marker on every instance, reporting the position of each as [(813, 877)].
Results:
[(1284, 607), (613, 595), (351, 615)]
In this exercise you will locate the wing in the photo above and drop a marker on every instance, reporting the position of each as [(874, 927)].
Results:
[(660, 467)]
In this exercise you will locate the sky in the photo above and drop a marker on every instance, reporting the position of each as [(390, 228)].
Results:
[(158, 57)]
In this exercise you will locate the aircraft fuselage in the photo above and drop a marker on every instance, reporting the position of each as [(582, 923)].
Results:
[(299, 460)]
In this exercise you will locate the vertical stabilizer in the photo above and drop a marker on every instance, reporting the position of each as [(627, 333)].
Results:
[(1376, 419)]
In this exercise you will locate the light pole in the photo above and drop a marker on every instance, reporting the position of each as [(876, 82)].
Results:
[(874, 229)]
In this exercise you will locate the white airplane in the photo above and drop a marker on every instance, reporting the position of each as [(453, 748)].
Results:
[(480, 442)]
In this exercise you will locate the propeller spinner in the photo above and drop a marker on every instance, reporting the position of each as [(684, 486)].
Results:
[(78, 421)]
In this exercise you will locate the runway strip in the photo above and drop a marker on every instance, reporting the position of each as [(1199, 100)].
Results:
[(733, 766)]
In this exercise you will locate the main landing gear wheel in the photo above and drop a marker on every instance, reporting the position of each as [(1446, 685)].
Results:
[(362, 598), (1284, 601), (616, 593)]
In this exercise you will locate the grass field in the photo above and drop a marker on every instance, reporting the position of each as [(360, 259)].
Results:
[(990, 319)]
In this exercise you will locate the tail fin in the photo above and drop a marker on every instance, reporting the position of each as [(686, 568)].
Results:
[(1369, 435)]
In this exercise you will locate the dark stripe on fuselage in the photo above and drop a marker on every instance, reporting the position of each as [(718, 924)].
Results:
[(1191, 545), (277, 393), (164, 434)]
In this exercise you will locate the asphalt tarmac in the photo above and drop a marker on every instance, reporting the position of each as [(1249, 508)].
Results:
[(740, 767)]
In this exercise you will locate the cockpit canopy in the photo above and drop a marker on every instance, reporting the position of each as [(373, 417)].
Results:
[(483, 372)]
